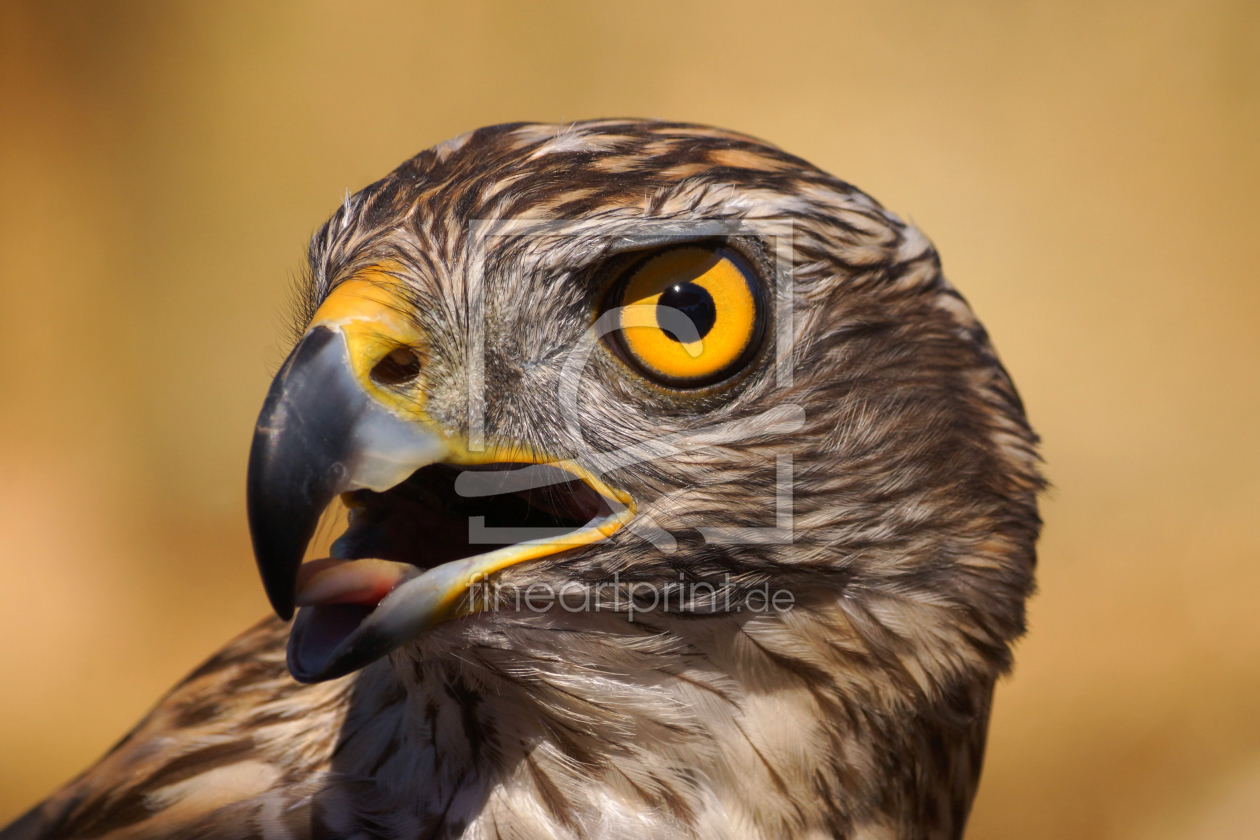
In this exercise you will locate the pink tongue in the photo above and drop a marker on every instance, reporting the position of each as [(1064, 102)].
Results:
[(333, 581)]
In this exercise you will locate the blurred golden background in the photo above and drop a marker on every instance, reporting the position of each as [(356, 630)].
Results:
[(1089, 170)]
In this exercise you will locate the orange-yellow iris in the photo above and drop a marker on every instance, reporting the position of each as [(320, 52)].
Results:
[(724, 311)]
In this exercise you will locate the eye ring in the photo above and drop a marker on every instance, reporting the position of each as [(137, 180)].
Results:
[(688, 316)]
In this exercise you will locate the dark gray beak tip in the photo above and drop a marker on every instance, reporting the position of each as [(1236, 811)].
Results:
[(297, 463), (278, 535), (327, 642)]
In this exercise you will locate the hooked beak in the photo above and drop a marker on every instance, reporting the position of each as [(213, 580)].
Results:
[(318, 436), (427, 517)]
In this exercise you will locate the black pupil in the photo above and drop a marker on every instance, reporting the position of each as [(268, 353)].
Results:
[(691, 300)]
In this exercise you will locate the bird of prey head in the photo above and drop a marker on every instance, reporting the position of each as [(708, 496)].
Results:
[(686, 498)]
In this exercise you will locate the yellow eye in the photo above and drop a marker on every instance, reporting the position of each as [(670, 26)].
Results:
[(689, 316)]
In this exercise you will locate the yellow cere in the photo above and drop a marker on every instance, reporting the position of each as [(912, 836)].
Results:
[(368, 310), (733, 303)]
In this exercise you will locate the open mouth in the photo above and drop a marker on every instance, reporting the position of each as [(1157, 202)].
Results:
[(432, 536)]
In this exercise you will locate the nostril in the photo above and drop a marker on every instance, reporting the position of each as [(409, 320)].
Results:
[(397, 369)]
